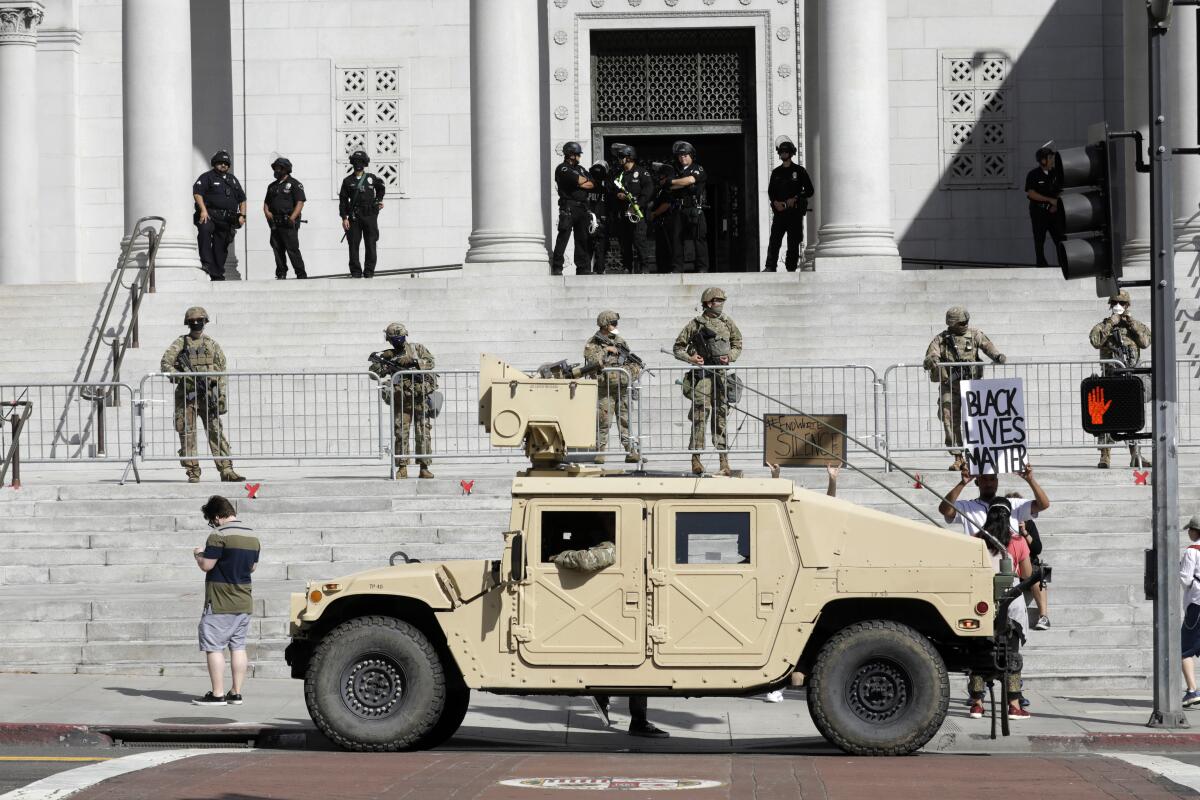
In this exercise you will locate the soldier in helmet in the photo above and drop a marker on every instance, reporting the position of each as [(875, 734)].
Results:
[(958, 343), (573, 183), (687, 222), (633, 190), (220, 211), (282, 206), (1122, 338), (789, 190), (198, 398), (410, 398), (606, 347), (711, 339), (359, 202)]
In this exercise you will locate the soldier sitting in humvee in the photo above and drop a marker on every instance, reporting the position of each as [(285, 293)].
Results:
[(593, 558)]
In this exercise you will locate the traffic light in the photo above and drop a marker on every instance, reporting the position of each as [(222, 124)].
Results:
[(1090, 204), (1160, 12), (1112, 404)]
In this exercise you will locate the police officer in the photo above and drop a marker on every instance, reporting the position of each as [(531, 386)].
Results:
[(220, 211), (1043, 185), (359, 201), (687, 222), (634, 190), (788, 191), (599, 203), (410, 398), (200, 399), (957, 343), (711, 339), (573, 184), (282, 206), (605, 348), (1122, 338)]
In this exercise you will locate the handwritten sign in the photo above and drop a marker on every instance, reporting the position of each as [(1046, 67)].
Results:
[(793, 440), (993, 425)]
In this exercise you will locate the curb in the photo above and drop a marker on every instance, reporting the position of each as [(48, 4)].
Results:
[(250, 735), (40, 733)]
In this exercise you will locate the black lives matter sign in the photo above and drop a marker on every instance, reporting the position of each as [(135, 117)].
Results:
[(993, 425)]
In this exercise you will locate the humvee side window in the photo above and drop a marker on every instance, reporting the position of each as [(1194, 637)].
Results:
[(718, 537), (576, 530)]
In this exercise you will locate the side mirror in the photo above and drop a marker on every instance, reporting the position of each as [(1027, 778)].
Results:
[(516, 546)]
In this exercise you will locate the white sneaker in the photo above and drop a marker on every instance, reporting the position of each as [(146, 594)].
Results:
[(774, 697), (1043, 623)]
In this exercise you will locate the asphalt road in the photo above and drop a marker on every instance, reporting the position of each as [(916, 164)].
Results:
[(488, 775)]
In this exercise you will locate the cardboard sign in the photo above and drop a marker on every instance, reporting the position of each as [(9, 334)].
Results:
[(993, 425), (792, 440)]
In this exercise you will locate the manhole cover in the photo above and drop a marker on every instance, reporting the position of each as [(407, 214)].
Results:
[(613, 784)]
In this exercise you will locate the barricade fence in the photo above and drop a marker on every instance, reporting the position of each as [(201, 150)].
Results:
[(356, 416)]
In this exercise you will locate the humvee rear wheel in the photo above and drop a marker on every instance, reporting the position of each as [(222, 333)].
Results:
[(878, 688), (375, 683)]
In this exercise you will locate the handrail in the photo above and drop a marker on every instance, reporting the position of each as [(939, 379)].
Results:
[(13, 456), (142, 284), (412, 272)]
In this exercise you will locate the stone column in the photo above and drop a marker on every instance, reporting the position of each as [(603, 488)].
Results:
[(19, 253), (508, 228), (156, 80), (1185, 132), (1136, 251), (855, 191)]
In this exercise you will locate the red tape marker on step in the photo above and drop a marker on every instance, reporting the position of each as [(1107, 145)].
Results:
[(252, 489)]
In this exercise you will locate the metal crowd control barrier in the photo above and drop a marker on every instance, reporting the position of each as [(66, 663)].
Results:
[(911, 403), (71, 422), (277, 416), (1187, 376), (663, 411)]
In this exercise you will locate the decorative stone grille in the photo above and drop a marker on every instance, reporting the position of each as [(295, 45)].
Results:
[(370, 113), (977, 123), (665, 76)]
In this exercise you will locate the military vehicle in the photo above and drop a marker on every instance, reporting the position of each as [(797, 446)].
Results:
[(721, 586)]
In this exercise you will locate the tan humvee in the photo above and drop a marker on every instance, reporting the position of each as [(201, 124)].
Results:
[(721, 586)]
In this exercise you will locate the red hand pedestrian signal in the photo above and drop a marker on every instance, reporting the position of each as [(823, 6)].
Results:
[(1096, 405)]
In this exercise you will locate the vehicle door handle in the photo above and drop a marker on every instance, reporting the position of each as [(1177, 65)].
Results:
[(631, 598)]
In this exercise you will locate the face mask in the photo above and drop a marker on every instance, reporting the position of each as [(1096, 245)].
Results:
[(196, 325), (715, 309), (279, 174), (958, 327), (397, 342), (1118, 309), (614, 332)]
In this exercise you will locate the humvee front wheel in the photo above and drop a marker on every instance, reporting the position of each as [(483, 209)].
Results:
[(375, 683), (878, 688)]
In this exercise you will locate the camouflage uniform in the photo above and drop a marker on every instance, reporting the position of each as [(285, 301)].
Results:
[(409, 401), (593, 559), (708, 393), (957, 343), (613, 386), (1133, 336), (195, 400)]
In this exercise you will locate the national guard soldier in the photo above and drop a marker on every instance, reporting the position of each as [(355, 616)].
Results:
[(789, 190), (410, 400), (687, 221), (573, 184), (1043, 186), (282, 206), (359, 202), (220, 211), (711, 339), (1122, 338), (608, 348), (633, 190), (957, 343), (199, 399)]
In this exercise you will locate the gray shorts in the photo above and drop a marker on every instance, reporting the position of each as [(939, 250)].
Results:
[(218, 631)]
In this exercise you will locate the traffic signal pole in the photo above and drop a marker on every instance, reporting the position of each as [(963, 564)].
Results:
[(1168, 682)]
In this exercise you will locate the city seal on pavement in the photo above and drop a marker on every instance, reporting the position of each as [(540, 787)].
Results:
[(613, 784)]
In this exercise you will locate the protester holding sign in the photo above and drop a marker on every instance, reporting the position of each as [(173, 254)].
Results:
[(973, 513), (993, 422)]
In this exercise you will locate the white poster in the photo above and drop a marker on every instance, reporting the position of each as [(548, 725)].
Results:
[(993, 425)]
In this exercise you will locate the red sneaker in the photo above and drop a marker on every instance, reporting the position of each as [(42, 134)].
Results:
[(1018, 713), (976, 710)]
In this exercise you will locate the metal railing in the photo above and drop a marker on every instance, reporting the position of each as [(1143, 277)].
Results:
[(12, 456), (70, 422)]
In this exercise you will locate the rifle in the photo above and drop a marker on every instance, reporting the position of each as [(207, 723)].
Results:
[(390, 365), (562, 369), (211, 388), (1121, 350), (964, 373), (625, 356)]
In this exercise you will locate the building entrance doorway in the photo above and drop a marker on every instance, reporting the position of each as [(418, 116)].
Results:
[(655, 87)]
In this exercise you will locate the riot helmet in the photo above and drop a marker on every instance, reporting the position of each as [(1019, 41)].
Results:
[(786, 146), (572, 149), (359, 159), (282, 163), (682, 148), (221, 157)]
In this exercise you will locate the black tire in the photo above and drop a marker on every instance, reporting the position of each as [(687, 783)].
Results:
[(375, 684), (878, 688), (458, 699)]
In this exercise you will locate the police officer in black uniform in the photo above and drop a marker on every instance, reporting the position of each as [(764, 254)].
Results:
[(282, 206), (788, 191), (634, 190), (359, 201), (599, 202), (220, 211), (573, 183), (687, 221), (1043, 185)]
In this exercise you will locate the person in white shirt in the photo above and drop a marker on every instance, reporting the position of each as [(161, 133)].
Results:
[(973, 513), (1189, 575)]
